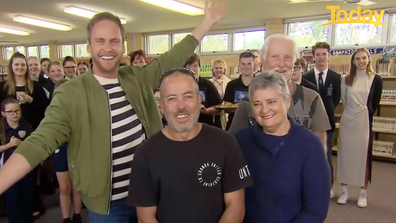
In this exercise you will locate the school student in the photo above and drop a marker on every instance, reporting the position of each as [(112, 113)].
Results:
[(57, 74), (19, 197)]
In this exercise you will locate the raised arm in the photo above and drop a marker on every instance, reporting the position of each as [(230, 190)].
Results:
[(52, 132), (176, 56)]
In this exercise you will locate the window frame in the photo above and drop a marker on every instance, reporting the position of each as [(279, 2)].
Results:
[(384, 34), (37, 50), (252, 29), (230, 32), (147, 43), (229, 45), (286, 27), (389, 34), (75, 50), (59, 46)]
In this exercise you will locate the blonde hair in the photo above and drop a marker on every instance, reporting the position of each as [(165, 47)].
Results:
[(220, 61)]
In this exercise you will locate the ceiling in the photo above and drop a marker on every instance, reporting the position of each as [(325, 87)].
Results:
[(144, 18)]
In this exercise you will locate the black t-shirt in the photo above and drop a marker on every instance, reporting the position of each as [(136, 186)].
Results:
[(235, 91), (210, 97), (186, 180)]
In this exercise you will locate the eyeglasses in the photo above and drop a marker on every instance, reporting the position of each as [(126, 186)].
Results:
[(12, 112), (297, 68)]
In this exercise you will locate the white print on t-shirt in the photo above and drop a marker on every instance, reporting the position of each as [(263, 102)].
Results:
[(209, 175), (244, 172)]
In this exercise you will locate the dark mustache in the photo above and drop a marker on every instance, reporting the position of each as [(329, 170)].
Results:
[(182, 112)]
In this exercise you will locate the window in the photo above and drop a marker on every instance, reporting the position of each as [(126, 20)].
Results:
[(65, 50), (215, 43), (249, 40), (81, 51), (8, 52), (157, 44), (32, 51), (20, 49), (44, 51), (392, 29), (353, 33), (310, 32), (178, 37)]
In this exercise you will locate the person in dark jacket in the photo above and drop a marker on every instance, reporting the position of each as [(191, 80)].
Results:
[(287, 162), (18, 198), (297, 76)]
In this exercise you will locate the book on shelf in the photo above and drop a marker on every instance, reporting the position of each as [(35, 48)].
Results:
[(388, 95), (384, 123), (381, 148)]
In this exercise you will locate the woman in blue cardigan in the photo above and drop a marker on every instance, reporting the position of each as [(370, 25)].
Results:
[(287, 162)]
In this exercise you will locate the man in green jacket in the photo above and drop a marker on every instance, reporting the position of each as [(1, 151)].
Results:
[(103, 115)]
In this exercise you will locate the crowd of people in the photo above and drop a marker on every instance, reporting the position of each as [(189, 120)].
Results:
[(146, 143)]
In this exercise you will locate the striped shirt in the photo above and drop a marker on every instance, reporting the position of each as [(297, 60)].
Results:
[(126, 134)]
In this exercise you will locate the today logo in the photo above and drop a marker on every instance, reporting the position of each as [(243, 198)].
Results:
[(367, 17)]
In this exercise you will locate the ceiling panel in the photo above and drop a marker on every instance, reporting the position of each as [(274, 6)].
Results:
[(144, 18)]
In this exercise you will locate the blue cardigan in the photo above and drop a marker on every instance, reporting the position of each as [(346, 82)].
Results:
[(291, 176)]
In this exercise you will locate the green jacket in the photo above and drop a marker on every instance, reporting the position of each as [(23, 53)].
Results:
[(79, 114)]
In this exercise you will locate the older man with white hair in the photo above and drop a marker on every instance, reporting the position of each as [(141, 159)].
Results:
[(279, 54)]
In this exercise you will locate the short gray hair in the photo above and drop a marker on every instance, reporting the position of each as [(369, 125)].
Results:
[(267, 41), (269, 79)]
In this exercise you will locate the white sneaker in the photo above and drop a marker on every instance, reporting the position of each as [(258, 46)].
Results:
[(332, 195), (362, 201), (343, 199)]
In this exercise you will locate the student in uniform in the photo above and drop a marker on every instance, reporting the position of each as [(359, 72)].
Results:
[(210, 97), (61, 169), (19, 197)]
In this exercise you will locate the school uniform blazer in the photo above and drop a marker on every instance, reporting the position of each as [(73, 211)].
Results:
[(331, 94)]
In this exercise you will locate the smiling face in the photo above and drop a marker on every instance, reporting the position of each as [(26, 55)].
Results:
[(361, 60), (269, 108), (218, 70), (19, 67), (246, 66), (82, 68), (70, 69), (280, 57), (34, 67), (56, 73), (180, 102), (106, 47)]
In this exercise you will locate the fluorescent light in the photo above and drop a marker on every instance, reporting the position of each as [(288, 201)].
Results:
[(176, 6), (84, 12), (41, 23), (14, 31)]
